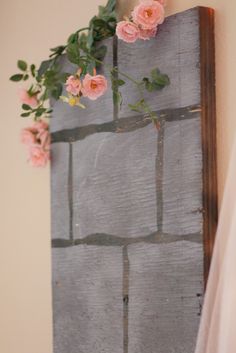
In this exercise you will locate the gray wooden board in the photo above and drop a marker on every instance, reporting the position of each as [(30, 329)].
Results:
[(127, 223)]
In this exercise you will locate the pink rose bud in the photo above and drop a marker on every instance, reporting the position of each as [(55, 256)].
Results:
[(45, 139), (127, 31), (148, 14), (146, 34), (39, 126), (73, 85), (28, 137), (25, 98), (38, 157), (94, 86)]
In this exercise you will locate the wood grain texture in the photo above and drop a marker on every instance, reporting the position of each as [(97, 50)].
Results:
[(208, 103), (134, 210), (165, 302), (87, 299), (175, 51)]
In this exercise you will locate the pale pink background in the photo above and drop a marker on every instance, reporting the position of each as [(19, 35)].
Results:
[(27, 29)]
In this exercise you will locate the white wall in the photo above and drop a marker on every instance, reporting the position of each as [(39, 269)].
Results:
[(28, 29)]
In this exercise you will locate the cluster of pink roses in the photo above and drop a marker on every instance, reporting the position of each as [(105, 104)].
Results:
[(91, 86), (37, 139), (143, 22)]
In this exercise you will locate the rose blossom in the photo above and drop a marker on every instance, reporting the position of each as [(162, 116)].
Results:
[(73, 85), (38, 156), (44, 138), (39, 126), (127, 31), (148, 14), (162, 2), (94, 86), (28, 137), (147, 33), (27, 99)]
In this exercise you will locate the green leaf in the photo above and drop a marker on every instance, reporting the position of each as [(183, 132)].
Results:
[(73, 38), (25, 107), (17, 77), (120, 82), (163, 80), (91, 66), (32, 70), (110, 6), (149, 86), (24, 115), (73, 53), (159, 80), (44, 67), (56, 91), (135, 108), (90, 38), (117, 98), (57, 50), (22, 65), (64, 76), (155, 73), (25, 78), (100, 52)]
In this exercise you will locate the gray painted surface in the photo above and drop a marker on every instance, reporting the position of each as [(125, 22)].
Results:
[(168, 275), (127, 209), (114, 183), (182, 177), (89, 305), (175, 51), (59, 191)]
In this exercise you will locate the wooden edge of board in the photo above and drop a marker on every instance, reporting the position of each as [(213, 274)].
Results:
[(208, 103)]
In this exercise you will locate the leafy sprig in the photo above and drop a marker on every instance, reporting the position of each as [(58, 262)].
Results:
[(84, 49)]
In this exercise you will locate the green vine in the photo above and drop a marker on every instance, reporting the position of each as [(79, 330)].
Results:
[(82, 50)]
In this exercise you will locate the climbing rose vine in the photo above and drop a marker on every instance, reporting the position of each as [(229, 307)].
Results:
[(81, 49)]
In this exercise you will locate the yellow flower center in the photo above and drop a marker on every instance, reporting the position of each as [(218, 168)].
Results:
[(93, 84), (148, 12), (72, 101)]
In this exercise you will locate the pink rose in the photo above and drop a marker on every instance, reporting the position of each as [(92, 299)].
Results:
[(94, 86), (39, 125), (27, 99), (148, 14), (73, 85), (28, 137), (127, 31), (146, 34), (162, 2), (38, 156), (44, 138)]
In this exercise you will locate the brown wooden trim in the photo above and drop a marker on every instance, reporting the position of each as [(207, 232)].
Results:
[(208, 102)]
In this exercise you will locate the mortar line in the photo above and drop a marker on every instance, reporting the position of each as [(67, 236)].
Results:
[(103, 239), (125, 299), (123, 125), (70, 192), (116, 89), (159, 174)]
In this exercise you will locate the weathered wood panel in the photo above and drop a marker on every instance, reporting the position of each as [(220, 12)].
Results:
[(171, 324), (60, 204), (182, 177), (129, 231), (176, 51), (115, 191), (87, 318)]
